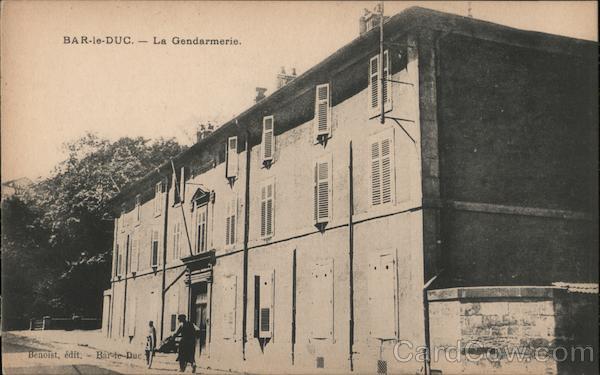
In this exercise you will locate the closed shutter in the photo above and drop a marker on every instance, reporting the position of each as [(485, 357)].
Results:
[(232, 157), (182, 184), (322, 112), (154, 248), (266, 305), (135, 256), (382, 169), (382, 295), (157, 198), (322, 189), (131, 317), (229, 306), (116, 260), (374, 85), (267, 205), (268, 139), (321, 297), (230, 223), (376, 90)]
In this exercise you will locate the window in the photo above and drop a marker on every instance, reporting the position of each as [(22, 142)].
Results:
[(176, 240), (135, 256), (230, 306), (158, 189), (230, 222), (382, 288), (263, 305), (268, 140), (321, 298), (376, 90), (154, 249), (322, 121), (201, 228), (173, 322), (138, 203), (382, 168), (267, 195), (322, 189), (232, 158), (116, 260)]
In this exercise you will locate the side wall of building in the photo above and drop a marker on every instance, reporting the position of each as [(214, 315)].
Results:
[(518, 140)]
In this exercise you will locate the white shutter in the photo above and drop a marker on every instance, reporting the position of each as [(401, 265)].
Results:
[(232, 157), (267, 208), (268, 139), (131, 315), (387, 86), (376, 90), (135, 256), (182, 184), (229, 306), (157, 198), (322, 189), (374, 85), (230, 222), (321, 312), (382, 169), (322, 122), (266, 305), (382, 295)]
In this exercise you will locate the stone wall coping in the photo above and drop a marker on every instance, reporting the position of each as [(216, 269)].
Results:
[(491, 292)]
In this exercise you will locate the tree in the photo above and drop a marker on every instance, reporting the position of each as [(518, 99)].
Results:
[(66, 238)]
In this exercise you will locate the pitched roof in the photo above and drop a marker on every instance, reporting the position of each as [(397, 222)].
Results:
[(397, 26)]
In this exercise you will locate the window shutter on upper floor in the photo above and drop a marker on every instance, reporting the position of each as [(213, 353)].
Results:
[(232, 157), (322, 189), (382, 169), (182, 184), (230, 223), (322, 121), (158, 189), (267, 206), (268, 139), (154, 248), (376, 90)]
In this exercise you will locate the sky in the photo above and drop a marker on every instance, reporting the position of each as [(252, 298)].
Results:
[(54, 92)]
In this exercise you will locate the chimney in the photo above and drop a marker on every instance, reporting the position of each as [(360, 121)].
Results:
[(210, 128), (200, 133), (370, 20), (260, 94), (283, 78)]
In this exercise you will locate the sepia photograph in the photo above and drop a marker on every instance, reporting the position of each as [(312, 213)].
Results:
[(306, 187)]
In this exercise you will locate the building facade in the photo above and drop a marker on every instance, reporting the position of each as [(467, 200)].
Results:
[(301, 235)]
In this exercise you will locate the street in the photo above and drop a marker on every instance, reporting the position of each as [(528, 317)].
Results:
[(77, 352)]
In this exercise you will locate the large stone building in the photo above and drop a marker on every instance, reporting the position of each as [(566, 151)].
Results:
[(301, 234)]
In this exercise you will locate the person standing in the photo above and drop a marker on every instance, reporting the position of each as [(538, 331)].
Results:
[(150, 343), (187, 345)]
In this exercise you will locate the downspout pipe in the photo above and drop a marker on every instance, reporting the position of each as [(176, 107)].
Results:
[(164, 258), (246, 238), (351, 256)]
